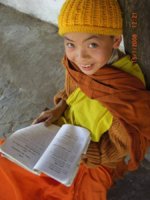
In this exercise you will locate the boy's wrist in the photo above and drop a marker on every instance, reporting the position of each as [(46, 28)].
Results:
[(62, 105), (61, 95)]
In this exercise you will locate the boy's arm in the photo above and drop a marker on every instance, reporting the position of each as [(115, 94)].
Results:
[(61, 95), (51, 115)]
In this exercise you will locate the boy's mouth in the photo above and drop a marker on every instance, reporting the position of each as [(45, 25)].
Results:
[(87, 67)]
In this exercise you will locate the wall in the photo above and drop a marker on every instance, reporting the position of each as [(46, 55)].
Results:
[(46, 10), (137, 33)]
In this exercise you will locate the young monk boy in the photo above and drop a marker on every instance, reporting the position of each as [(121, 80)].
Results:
[(105, 93)]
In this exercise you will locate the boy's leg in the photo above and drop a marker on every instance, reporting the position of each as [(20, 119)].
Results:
[(18, 184), (92, 183)]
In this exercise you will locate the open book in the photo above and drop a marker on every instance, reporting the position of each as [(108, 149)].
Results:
[(52, 150)]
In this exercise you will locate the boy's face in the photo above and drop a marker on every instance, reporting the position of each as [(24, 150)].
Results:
[(89, 52)]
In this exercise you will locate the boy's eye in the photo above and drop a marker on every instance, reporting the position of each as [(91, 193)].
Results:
[(70, 45), (93, 45)]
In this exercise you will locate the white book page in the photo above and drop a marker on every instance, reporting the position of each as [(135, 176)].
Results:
[(62, 157), (26, 145)]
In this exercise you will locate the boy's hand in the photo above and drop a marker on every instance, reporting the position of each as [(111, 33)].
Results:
[(48, 116), (51, 115)]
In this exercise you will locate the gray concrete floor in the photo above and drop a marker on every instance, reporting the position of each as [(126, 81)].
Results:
[(31, 73)]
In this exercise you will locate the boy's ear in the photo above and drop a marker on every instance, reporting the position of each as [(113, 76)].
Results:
[(117, 40)]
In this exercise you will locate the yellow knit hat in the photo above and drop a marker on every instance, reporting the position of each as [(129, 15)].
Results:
[(90, 16)]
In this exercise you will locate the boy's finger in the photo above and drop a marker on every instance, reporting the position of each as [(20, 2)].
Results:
[(39, 119), (49, 121), (34, 121)]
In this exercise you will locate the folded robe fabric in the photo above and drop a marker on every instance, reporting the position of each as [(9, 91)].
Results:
[(125, 97)]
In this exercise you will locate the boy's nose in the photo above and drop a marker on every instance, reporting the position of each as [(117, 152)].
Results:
[(82, 54)]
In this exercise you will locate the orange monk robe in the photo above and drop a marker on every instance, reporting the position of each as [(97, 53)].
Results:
[(17, 183)]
